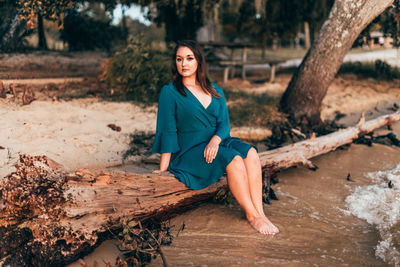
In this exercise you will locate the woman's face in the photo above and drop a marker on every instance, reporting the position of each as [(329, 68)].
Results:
[(186, 62)]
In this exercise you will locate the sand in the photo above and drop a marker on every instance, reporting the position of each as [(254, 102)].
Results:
[(73, 133)]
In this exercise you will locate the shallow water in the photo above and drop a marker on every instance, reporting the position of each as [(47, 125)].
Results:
[(316, 229), (379, 204), (316, 226)]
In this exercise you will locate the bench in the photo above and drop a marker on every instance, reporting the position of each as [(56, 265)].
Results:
[(229, 64)]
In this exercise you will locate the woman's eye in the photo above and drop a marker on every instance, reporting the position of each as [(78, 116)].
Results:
[(178, 59), (190, 58)]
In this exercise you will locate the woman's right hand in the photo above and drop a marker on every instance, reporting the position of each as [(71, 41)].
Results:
[(211, 150)]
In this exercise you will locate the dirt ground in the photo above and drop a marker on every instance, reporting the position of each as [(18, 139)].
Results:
[(50, 64)]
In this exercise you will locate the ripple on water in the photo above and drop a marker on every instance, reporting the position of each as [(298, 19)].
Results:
[(379, 204)]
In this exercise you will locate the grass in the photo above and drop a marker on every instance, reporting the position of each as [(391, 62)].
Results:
[(378, 70), (293, 53), (260, 110)]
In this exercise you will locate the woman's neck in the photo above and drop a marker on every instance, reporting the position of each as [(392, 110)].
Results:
[(190, 81)]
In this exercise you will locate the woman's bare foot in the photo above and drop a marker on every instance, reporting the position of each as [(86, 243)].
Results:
[(263, 225)]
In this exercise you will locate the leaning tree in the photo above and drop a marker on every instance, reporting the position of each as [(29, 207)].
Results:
[(303, 97)]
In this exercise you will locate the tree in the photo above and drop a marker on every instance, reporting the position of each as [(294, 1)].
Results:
[(303, 97), (312, 14), (43, 9), (390, 22), (182, 19), (12, 29), (83, 32)]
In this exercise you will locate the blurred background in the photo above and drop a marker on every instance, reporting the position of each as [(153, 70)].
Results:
[(106, 25)]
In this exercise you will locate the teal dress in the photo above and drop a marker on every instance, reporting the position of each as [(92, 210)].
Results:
[(184, 128)]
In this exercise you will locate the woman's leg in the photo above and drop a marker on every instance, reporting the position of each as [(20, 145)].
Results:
[(239, 186), (253, 170)]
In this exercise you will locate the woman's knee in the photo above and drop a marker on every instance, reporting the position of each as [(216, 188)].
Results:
[(253, 158), (237, 164)]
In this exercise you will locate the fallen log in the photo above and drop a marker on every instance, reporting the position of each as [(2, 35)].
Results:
[(51, 217), (302, 152)]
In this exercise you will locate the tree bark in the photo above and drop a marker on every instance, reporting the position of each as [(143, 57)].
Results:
[(217, 28), (309, 84), (307, 38), (42, 45), (49, 217)]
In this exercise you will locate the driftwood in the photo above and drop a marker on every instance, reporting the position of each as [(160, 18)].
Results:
[(302, 152), (50, 217)]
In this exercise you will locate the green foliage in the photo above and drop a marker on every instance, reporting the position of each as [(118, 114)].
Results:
[(182, 19), (275, 19), (82, 32), (49, 9), (139, 72), (390, 22), (378, 70)]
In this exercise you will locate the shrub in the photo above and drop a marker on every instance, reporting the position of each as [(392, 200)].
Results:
[(139, 72), (379, 70)]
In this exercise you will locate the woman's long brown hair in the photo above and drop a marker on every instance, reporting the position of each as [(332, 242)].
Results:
[(201, 72)]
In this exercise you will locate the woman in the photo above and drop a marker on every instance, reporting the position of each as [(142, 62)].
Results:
[(193, 137)]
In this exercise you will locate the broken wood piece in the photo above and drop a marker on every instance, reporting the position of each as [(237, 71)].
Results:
[(299, 133), (27, 97), (2, 90), (12, 90), (114, 127)]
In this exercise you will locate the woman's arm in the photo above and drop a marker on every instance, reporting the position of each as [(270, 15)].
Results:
[(223, 128), (164, 162)]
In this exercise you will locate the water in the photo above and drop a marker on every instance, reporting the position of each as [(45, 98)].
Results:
[(313, 214), (379, 205), (314, 229)]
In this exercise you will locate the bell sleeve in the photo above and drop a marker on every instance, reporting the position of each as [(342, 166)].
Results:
[(223, 128), (166, 140)]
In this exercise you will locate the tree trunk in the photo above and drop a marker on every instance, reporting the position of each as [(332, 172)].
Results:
[(263, 45), (309, 84), (124, 26), (274, 44), (49, 217), (41, 35), (11, 30), (307, 38), (217, 28)]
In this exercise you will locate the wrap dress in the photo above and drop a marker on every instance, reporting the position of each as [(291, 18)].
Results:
[(185, 127)]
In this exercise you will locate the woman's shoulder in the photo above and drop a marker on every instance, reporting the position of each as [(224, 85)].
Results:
[(168, 89), (217, 88)]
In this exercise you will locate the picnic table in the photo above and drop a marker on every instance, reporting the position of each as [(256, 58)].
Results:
[(230, 64)]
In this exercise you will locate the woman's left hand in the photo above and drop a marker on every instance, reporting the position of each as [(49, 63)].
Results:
[(211, 150)]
